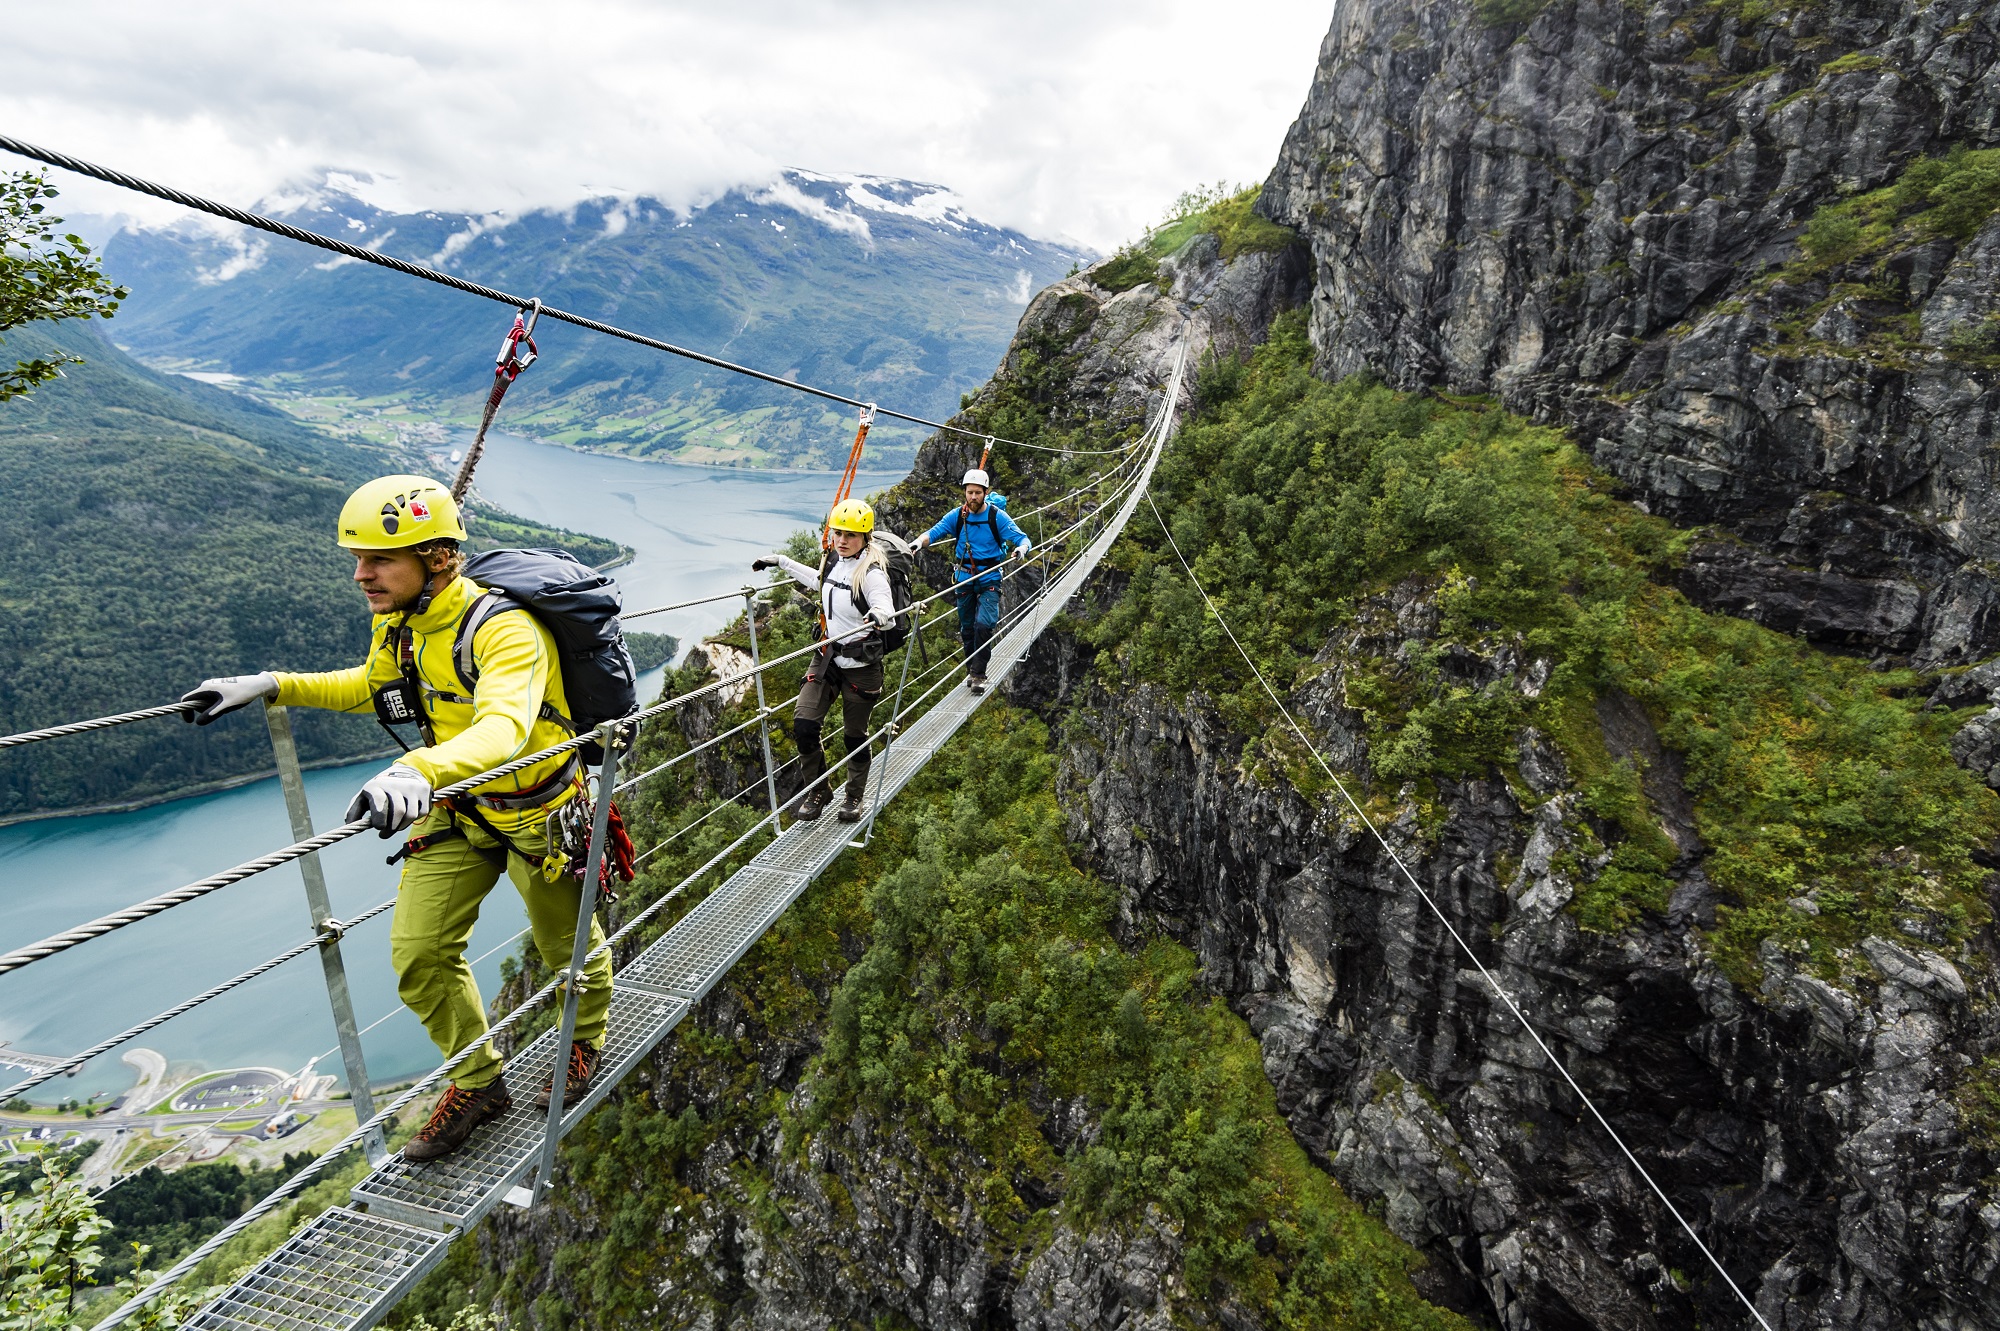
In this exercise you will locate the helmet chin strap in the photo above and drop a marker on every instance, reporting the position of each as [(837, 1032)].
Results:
[(430, 586)]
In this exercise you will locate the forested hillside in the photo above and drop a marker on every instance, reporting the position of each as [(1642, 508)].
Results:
[(158, 531)]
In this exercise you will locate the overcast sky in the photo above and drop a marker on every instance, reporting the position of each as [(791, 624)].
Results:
[(1069, 119)]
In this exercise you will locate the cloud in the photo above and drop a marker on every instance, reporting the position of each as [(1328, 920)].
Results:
[(245, 253), (1063, 120)]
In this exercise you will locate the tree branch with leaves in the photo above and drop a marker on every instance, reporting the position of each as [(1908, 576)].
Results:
[(43, 276)]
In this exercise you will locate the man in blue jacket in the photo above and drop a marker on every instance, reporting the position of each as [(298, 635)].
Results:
[(980, 533)]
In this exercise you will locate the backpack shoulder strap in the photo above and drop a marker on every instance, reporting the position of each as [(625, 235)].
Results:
[(488, 605), (871, 558)]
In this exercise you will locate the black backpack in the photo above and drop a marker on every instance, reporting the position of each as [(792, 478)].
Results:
[(900, 563), (579, 607)]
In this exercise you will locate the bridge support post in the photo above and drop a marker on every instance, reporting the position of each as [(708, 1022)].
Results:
[(750, 603), (613, 738), (889, 736), (292, 778)]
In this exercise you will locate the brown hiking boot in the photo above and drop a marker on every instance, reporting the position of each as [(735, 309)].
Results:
[(814, 804), (456, 1115), (583, 1062), (850, 807)]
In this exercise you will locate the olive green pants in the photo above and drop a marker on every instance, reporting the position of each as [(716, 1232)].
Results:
[(437, 904)]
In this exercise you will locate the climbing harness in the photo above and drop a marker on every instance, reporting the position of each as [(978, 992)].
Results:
[(507, 367)]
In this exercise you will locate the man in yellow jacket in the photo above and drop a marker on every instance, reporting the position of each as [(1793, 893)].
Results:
[(404, 534)]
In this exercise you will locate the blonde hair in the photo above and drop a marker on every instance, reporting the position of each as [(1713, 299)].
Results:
[(455, 557)]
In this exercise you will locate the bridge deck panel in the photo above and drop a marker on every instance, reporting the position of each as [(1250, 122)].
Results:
[(340, 1273), (453, 1193)]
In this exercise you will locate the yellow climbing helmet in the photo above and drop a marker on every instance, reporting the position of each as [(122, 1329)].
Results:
[(395, 512), (852, 515)]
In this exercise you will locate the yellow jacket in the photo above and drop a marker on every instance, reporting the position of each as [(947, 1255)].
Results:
[(518, 672)]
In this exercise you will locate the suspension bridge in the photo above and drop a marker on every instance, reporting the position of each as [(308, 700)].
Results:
[(349, 1265)]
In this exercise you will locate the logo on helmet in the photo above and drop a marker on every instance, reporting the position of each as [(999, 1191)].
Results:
[(419, 510)]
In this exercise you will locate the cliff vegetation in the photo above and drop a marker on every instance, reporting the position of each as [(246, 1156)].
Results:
[(1823, 788)]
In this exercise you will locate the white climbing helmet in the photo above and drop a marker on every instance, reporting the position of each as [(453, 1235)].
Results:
[(978, 478)]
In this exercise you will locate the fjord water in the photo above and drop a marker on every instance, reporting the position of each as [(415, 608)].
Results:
[(694, 531)]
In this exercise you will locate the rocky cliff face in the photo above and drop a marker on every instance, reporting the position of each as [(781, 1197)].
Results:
[(1808, 1132), (1595, 210)]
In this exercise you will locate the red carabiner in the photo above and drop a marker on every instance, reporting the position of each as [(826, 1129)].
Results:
[(510, 362)]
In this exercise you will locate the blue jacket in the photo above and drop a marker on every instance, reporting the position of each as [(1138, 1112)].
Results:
[(978, 543)]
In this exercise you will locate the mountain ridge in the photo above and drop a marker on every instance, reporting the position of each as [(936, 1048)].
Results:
[(877, 288)]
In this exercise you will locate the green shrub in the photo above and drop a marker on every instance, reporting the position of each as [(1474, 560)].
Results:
[(1127, 269), (1301, 502), (1834, 235)]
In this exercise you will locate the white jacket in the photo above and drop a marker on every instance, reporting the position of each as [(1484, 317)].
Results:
[(844, 624)]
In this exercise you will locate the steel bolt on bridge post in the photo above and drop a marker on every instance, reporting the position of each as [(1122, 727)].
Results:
[(750, 603), (292, 778), (586, 907)]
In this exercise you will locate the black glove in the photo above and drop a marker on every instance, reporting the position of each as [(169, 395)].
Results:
[(759, 565)]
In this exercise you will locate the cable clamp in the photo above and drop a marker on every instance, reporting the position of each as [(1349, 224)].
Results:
[(330, 931)]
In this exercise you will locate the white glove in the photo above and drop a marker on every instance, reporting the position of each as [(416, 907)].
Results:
[(394, 799), (220, 697), (884, 619)]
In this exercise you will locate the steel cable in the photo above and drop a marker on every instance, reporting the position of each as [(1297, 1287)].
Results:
[(77, 1060), (96, 723)]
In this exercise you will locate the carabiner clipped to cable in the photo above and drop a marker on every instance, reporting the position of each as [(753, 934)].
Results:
[(510, 362), (507, 367)]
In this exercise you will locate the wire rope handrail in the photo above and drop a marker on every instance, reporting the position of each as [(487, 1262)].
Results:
[(77, 1060), (95, 723), (699, 600)]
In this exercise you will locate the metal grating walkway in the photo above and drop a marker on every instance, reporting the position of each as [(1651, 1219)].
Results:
[(347, 1268), (450, 1195)]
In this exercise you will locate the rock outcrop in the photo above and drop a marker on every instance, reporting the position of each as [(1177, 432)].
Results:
[(1807, 1132), (1593, 209)]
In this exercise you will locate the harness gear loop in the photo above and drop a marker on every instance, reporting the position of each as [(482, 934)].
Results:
[(507, 367), (847, 476)]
